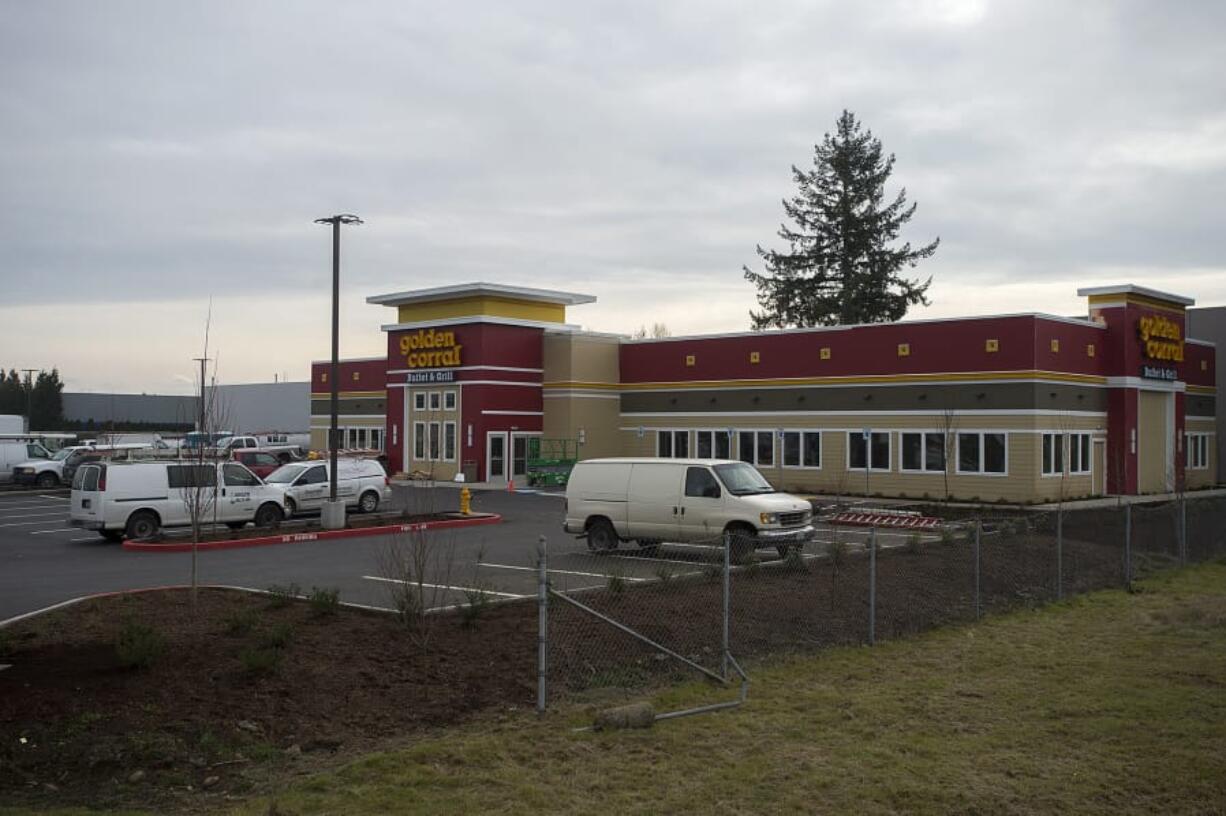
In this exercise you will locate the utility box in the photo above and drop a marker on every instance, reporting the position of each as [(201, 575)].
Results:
[(469, 469)]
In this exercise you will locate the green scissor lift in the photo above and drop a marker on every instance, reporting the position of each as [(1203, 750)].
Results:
[(550, 461)]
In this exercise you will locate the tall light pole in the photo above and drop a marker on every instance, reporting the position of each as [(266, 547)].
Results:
[(334, 514), (29, 372)]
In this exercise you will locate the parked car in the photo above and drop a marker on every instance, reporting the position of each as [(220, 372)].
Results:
[(15, 452), (652, 500), (362, 483), (284, 452), (139, 499), (261, 463), (48, 473)]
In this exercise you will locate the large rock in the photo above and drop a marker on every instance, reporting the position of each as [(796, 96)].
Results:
[(635, 715)]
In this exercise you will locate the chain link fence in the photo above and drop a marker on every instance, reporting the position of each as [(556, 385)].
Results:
[(630, 618)]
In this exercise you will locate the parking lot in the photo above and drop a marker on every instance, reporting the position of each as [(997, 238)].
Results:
[(44, 561)]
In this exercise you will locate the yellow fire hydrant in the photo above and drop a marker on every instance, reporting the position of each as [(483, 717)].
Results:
[(466, 499)]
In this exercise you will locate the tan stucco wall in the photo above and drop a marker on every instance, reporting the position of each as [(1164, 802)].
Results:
[(1022, 483), (1153, 465)]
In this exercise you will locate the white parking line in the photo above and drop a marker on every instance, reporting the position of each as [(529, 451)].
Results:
[(59, 512), (558, 571), (26, 523), (87, 538), (29, 508), (441, 586), (647, 559), (59, 530), (57, 498)]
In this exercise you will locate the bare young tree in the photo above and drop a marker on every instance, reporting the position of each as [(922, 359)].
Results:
[(949, 427), (417, 568)]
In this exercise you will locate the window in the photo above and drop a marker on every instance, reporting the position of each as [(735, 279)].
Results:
[(874, 456), (802, 449), (745, 442), (766, 448), (239, 476), (1053, 454), (673, 444), (700, 483), (436, 400), (313, 476), (36, 451), (419, 400), (449, 401), (449, 441), (419, 440), (923, 452), (1079, 453), (180, 476), (703, 444), (983, 453), (1196, 451), (376, 439), (434, 441)]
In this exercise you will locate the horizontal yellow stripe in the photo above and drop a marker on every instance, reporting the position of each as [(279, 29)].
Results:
[(1138, 300), (971, 376), (577, 384), (1202, 389)]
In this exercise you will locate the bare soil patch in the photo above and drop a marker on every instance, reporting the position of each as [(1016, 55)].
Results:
[(76, 726)]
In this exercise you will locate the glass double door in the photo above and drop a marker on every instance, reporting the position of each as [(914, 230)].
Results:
[(506, 451)]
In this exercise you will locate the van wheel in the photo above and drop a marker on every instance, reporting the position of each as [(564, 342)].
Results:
[(143, 524), (47, 480), (269, 515), (741, 540), (369, 502), (601, 537)]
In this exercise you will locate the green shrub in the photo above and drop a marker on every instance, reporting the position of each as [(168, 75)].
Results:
[(278, 637), (282, 596), (240, 622), (138, 646), (259, 660), (324, 602), (477, 600)]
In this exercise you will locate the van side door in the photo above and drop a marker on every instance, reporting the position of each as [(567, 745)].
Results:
[(313, 488), (702, 504), (240, 489), (655, 507)]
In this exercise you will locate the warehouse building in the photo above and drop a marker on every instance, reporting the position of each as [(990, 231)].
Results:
[(1017, 407)]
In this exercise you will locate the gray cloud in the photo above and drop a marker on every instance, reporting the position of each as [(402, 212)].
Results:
[(156, 151)]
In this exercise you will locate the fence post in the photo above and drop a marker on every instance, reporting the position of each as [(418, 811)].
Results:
[(978, 532), (872, 586), (727, 603), (1128, 547), (1059, 551), (1183, 529), (542, 636)]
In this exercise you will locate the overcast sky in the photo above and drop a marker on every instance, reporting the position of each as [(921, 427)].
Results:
[(155, 155)]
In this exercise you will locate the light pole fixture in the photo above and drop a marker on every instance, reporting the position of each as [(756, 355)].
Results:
[(334, 375)]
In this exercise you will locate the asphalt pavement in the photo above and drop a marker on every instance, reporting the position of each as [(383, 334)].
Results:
[(44, 561)]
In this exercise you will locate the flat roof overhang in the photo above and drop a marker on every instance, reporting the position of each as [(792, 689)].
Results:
[(481, 289)]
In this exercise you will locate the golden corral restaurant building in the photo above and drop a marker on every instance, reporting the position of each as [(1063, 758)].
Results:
[(1016, 407)]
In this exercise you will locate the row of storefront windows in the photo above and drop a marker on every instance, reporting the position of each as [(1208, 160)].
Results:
[(977, 453), (434, 400), (434, 441)]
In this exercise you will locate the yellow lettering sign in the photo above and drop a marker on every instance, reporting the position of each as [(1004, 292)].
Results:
[(1162, 338), (430, 348)]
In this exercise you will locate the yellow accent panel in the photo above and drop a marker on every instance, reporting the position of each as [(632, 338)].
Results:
[(689, 359), (483, 307), (904, 349), (825, 353), (1055, 345), (348, 394), (580, 384), (754, 356), (992, 345), (1137, 300), (1202, 389), (1090, 350)]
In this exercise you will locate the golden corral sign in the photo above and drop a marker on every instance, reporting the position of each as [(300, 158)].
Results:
[(429, 348), (1162, 338)]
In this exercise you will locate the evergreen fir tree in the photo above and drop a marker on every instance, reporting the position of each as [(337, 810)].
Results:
[(841, 267)]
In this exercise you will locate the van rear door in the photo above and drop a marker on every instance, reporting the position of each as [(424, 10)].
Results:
[(655, 509), (86, 499)]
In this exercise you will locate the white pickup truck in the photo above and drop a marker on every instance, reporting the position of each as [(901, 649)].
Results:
[(286, 453)]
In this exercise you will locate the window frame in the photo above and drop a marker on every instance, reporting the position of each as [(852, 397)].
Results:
[(672, 435), (1058, 459), (436, 401), (419, 440), (802, 459), (449, 401), (924, 436), (419, 400), (450, 427), (434, 441), (1084, 448), (868, 451), (981, 454), (1196, 450)]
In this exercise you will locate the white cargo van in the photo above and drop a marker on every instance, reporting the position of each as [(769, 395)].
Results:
[(138, 499), (15, 452), (361, 483), (654, 500)]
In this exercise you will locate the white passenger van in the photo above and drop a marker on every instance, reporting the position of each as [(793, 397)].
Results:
[(361, 483), (14, 452), (654, 500), (138, 499)]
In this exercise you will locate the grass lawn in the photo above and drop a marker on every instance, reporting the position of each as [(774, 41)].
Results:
[(1107, 703)]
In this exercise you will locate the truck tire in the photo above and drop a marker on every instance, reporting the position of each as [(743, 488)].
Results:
[(269, 515), (601, 537), (47, 480), (143, 524), (369, 502)]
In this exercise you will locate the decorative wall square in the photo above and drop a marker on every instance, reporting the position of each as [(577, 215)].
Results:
[(991, 345)]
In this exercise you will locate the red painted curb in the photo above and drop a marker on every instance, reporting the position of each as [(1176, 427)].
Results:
[(320, 535)]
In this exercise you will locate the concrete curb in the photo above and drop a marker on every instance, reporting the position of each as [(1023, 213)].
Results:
[(319, 535)]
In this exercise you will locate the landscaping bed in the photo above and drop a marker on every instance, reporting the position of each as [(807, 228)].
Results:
[(247, 686), (353, 521)]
